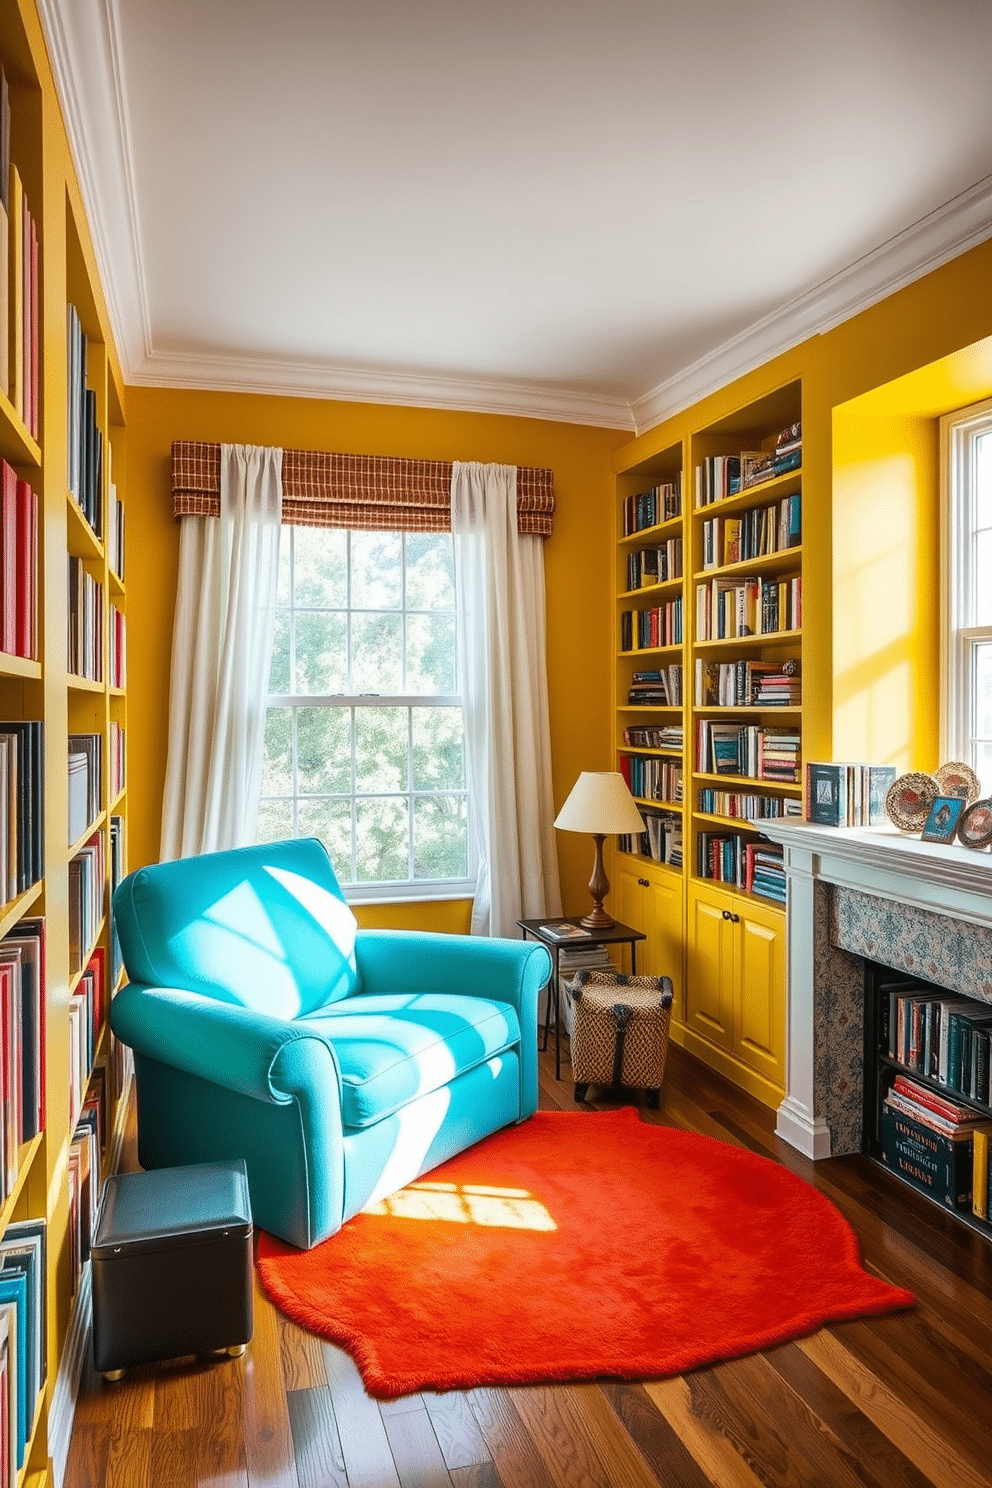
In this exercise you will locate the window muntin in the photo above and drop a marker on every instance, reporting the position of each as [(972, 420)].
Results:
[(966, 448), (364, 743)]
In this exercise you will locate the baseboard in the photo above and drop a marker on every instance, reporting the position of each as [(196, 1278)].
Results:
[(808, 1134), (763, 1090), (63, 1408)]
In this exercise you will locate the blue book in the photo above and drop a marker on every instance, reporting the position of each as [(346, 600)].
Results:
[(14, 1288)]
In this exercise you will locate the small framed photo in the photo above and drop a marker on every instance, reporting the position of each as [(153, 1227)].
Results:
[(942, 822), (975, 826)]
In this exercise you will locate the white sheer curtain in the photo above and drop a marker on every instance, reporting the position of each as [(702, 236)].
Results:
[(221, 649), (502, 651)]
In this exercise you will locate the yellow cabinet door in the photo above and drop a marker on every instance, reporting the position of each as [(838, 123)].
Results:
[(710, 968), (650, 899), (759, 1031)]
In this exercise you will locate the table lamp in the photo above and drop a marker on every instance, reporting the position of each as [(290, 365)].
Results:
[(600, 803)]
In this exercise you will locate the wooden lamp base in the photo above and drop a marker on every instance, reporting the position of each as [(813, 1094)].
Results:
[(599, 887)]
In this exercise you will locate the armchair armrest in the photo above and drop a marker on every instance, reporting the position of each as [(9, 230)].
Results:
[(512, 971), (243, 1050)]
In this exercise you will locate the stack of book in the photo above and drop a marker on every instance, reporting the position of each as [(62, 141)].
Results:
[(22, 797), (22, 1067), (764, 870), (754, 534), (660, 626), (667, 736), (787, 455), (23, 1338), (847, 795), (753, 750), (650, 778), (661, 839), (657, 689), (747, 807), (18, 565), (930, 1141), (728, 609), (650, 508), (85, 782), (656, 565), (85, 658), (85, 1021), (937, 1034), (741, 684), (85, 437), (86, 889)]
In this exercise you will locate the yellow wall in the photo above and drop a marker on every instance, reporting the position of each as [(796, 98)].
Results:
[(579, 632)]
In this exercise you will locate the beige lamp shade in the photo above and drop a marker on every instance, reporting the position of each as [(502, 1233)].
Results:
[(599, 801)]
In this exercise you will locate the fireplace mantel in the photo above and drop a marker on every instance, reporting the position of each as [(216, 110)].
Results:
[(927, 878)]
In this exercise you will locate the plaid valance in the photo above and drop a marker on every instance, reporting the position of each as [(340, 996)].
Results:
[(364, 491)]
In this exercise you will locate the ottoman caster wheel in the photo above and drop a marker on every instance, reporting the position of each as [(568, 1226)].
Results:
[(236, 1350), (581, 1091), (113, 1375)]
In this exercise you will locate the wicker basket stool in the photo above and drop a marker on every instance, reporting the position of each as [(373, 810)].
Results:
[(620, 1031)]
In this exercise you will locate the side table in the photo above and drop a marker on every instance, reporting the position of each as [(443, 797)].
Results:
[(541, 930)]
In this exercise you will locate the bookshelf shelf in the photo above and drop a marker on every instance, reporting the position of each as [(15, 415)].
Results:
[(652, 591), (26, 1155), (647, 535), (16, 910), (756, 783), (651, 651), (19, 666), (82, 540), (16, 444), (774, 638), (658, 805), (83, 684), (782, 561)]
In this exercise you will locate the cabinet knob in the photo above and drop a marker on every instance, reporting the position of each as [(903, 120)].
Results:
[(645, 883), (726, 914), (734, 919)]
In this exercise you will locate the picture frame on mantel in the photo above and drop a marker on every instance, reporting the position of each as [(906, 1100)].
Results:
[(941, 824), (975, 826)]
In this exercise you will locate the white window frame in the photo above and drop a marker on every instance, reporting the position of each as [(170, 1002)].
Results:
[(382, 891), (959, 432)]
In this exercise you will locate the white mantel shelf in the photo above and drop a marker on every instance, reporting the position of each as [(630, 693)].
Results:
[(941, 877), (937, 878)]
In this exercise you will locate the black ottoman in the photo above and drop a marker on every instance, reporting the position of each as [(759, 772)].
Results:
[(172, 1265)]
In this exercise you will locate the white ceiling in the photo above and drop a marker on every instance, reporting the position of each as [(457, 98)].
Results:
[(583, 210)]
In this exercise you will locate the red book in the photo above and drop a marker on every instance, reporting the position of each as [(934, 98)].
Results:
[(923, 1096), (8, 574), (33, 343), (98, 964), (27, 546)]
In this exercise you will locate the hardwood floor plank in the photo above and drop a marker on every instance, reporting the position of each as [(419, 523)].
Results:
[(87, 1464), (365, 1448), (265, 1424), (478, 1475), (220, 1444), (456, 1429), (654, 1438), (511, 1447), (173, 1458), (316, 1445), (129, 1459), (685, 1409), (838, 1415), (580, 1439), (302, 1361), (929, 1448), (416, 1453)]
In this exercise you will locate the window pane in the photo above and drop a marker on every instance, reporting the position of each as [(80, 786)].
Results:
[(382, 829), (983, 766), (321, 576), (430, 571), (377, 570), (438, 749), (277, 761), (983, 577), (321, 651), (983, 691), (440, 837), (381, 749), (376, 653), (279, 671), (275, 821), (983, 481), (323, 744), (331, 822), (430, 654)]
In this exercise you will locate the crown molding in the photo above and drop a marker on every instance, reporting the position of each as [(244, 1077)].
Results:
[(84, 45), (349, 384), (952, 229)]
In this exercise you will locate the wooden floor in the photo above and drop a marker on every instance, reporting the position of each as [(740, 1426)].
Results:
[(899, 1402)]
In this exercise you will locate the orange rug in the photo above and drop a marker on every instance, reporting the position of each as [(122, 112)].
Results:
[(573, 1247)]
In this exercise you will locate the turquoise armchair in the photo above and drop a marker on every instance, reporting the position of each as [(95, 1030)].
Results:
[(339, 1063)]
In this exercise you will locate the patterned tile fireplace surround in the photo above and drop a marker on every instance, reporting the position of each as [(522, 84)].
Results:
[(877, 895)]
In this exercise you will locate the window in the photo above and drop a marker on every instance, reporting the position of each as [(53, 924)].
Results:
[(364, 741), (966, 454)]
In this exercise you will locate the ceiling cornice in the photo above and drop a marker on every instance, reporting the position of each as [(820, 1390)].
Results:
[(83, 39), (349, 384), (952, 229)]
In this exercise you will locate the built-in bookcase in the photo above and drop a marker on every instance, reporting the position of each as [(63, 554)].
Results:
[(708, 709), (62, 692)]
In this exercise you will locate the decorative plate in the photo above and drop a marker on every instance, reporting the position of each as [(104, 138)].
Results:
[(958, 779), (975, 826), (908, 800)]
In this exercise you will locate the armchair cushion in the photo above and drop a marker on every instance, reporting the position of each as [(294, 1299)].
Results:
[(267, 927), (392, 1048)]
